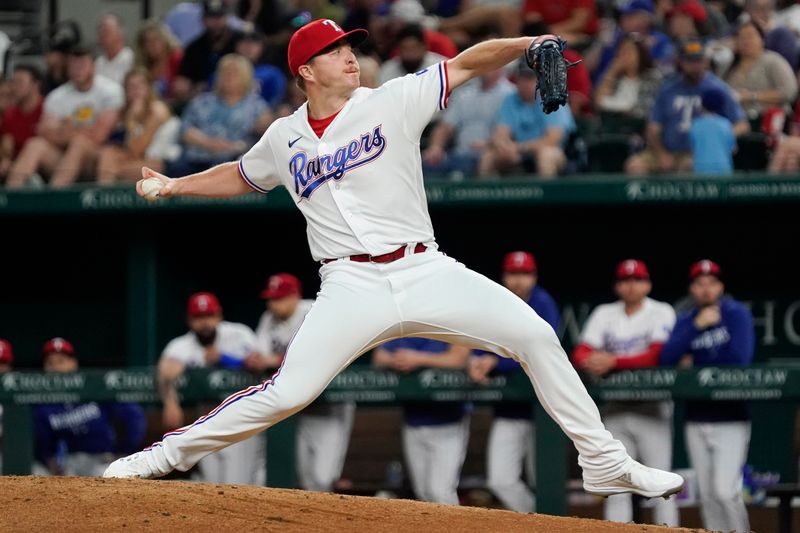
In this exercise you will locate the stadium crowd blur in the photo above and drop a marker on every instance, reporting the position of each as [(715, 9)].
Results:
[(665, 86)]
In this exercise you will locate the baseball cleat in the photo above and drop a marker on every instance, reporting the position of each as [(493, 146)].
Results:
[(641, 480), (134, 466)]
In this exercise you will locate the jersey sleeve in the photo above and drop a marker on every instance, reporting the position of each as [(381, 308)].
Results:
[(662, 326), (422, 95), (258, 166), (175, 351), (593, 330)]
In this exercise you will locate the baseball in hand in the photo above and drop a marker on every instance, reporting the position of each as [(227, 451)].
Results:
[(151, 187)]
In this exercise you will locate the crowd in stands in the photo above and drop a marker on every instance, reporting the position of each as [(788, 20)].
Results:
[(667, 86)]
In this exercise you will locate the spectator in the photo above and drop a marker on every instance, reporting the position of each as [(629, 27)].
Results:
[(202, 54), (405, 12), (636, 16), (412, 55), (786, 148), (630, 333), (221, 125), (269, 78), (781, 29), (19, 121), (718, 331), (435, 434), (216, 343), (711, 136), (573, 20), (78, 117), (63, 36), (470, 119), (474, 16), (511, 438), (630, 83), (759, 78), (147, 134), (323, 429), (185, 19), (116, 59), (525, 138), (158, 53), (686, 20), (79, 439), (677, 102)]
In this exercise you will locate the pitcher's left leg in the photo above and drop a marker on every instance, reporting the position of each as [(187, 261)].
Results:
[(447, 301)]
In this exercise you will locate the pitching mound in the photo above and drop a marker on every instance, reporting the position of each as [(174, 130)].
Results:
[(101, 505)]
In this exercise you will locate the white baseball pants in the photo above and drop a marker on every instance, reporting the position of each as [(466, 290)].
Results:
[(361, 305), (243, 463), (510, 448), (648, 439), (435, 455), (718, 451), (322, 442)]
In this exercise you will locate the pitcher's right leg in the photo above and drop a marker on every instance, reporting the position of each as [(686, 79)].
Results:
[(354, 311)]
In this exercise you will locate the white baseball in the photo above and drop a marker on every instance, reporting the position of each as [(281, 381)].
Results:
[(151, 187)]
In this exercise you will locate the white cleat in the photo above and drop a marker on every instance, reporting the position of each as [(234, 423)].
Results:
[(134, 466), (641, 480)]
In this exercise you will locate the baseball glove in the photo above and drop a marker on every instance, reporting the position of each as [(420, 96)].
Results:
[(545, 56)]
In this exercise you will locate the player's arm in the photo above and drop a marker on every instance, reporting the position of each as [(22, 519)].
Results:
[(455, 357), (382, 358), (679, 342), (221, 181), (644, 359), (485, 57), (169, 370)]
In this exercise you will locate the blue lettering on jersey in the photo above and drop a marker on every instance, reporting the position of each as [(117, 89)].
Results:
[(309, 174)]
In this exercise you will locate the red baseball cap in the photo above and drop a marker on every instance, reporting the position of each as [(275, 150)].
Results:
[(280, 285), (203, 304), (632, 268), (58, 345), (690, 8), (6, 355), (315, 37), (519, 262), (704, 267)]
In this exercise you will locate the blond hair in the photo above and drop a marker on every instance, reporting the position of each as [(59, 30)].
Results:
[(154, 25), (242, 64)]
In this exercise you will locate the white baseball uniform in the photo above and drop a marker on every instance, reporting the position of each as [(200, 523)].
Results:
[(644, 427), (360, 187), (245, 462), (323, 430)]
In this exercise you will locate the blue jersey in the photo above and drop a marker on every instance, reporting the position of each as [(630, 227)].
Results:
[(729, 343), (87, 427), (528, 122), (678, 103), (713, 142), (427, 413), (545, 306)]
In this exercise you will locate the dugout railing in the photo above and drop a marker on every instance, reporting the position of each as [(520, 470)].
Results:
[(764, 385)]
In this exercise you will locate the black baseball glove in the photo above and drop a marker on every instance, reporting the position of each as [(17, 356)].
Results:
[(545, 56)]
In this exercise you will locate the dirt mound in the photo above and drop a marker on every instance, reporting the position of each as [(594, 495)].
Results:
[(102, 505)]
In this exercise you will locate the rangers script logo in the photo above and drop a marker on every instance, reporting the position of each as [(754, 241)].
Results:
[(309, 174)]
